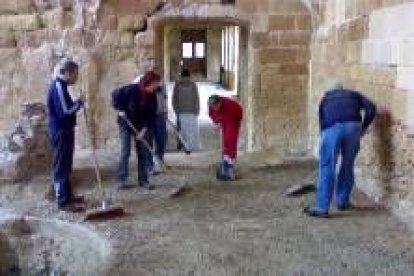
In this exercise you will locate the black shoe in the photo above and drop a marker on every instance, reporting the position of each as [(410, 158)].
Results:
[(219, 174), (72, 208), (122, 186), (77, 199), (146, 186), (313, 212), (223, 177), (344, 207)]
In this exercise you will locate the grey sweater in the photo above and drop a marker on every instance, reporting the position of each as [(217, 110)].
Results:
[(185, 97)]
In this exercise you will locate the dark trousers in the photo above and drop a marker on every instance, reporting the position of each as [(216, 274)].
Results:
[(160, 135), (125, 139), (143, 155), (62, 142), (177, 123)]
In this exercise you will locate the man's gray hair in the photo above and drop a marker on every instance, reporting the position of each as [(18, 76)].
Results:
[(334, 85)]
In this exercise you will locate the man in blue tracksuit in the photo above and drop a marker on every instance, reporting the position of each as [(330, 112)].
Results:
[(62, 111), (138, 103), (341, 127)]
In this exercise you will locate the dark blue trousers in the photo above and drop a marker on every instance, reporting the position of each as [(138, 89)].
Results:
[(143, 155), (63, 143)]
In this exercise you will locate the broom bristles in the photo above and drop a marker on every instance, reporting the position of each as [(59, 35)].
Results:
[(181, 191), (107, 213)]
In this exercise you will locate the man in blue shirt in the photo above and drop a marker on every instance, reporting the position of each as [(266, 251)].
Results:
[(342, 127), (62, 111)]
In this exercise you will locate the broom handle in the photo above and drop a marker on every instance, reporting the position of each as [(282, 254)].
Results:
[(144, 142), (95, 158), (178, 134)]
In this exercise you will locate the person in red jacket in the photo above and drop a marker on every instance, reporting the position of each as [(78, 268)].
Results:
[(228, 114)]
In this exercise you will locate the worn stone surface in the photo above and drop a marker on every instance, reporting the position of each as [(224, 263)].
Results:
[(25, 150), (236, 228), (44, 247)]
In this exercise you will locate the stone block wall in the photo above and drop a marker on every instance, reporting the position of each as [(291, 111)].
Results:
[(366, 44), (103, 36), (282, 71), (111, 39), (24, 151)]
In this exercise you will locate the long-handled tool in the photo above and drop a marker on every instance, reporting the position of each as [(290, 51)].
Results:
[(160, 162), (307, 185), (177, 192), (104, 210), (179, 136)]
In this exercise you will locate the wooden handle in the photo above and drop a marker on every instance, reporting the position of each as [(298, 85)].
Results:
[(95, 158)]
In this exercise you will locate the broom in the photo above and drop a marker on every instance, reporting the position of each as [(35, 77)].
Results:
[(105, 210), (178, 192), (146, 144), (303, 187), (180, 137)]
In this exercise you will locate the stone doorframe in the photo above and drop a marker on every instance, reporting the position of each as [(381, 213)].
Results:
[(245, 76)]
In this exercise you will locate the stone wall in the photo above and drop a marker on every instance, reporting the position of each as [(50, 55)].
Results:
[(278, 56), (103, 36), (112, 38), (368, 45), (213, 54), (282, 77), (24, 150)]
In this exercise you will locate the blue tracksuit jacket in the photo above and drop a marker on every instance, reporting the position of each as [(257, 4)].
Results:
[(60, 106)]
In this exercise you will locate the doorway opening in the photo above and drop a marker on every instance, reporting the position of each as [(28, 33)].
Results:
[(214, 51)]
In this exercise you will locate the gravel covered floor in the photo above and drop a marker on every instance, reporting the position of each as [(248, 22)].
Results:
[(246, 227)]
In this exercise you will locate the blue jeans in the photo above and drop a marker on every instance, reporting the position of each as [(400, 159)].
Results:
[(144, 159), (160, 135), (62, 142), (125, 138), (341, 139), (143, 155)]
